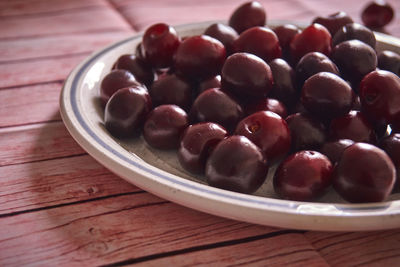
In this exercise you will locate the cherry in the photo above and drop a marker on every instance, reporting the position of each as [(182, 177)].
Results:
[(267, 104), (214, 105), (260, 41), (334, 149), (354, 31), (248, 15), (236, 164), (312, 63), (354, 126), (197, 143), (224, 33), (200, 57), (268, 131), (139, 52), (115, 80), (334, 21), (388, 60), (126, 111), (306, 132), (214, 82), (354, 59), (246, 75), (160, 42), (377, 14), (303, 176), (314, 38), (285, 34), (164, 126), (140, 70), (391, 145), (380, 96), (364, 173), (327, 95), (283, 88), (171, 89)]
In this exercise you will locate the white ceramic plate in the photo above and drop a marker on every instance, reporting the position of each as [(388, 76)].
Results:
[(159, 172)]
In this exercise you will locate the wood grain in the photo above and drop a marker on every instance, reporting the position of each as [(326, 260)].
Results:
[(131, 226), (58, 181)]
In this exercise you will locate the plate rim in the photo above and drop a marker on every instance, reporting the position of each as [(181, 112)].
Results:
[(177, 189)]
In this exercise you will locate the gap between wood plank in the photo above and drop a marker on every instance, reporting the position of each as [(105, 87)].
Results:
[(60, 82), (115, 8), (28, 124), (45, 57)]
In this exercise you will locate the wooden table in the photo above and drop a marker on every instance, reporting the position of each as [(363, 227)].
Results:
[(59, 207)]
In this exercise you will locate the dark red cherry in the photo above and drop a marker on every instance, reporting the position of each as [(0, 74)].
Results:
[(139, 52), (314, 38), (285, 34), (214, 82), (303, 176), (388, 60), (391, 145), (115, 80), (327, 95), (142, 72), (306, 132), (248, 15), (312, 63), (245, 74), (214, 105), (259, 41), (126, 111), (160, 42), (283, 88), (334, 21), (354, 59), (380, 96), (364, 173), (171, 89), (236, 164), (267, 104), (200, 57), (197, 143), (224, 33), (354, 31), (377, 14), (164, 126), (354, 126), (268, 131), (334, 149)]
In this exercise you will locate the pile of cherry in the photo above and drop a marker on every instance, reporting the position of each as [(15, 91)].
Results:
[(320, 102)]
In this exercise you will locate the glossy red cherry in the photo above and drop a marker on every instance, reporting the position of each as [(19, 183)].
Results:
[(259, 41), (171, 89), (327, 95), (354, 126), (389, 60), (377, 14), (126, 111), (236, 164), (285, 34), (197, 143), (245, 74), (267, 104), (364, 173), (283, 88), (306, 132), (314, 38), (214, 105), (115, 80), (160, 42), (200, 57), (142, 72), (164, 126), (334, 21), (380, 96), (334, 149), (303, 176), (354, 31), (268, 131), (248, 15), (224, 33)]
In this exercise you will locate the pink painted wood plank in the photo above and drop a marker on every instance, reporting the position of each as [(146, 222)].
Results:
[(36, 142), (58, 45), (381, 248), (53, 182), (36, 7), (82, 20), (31, 104), (120, 228), (283, 250)]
